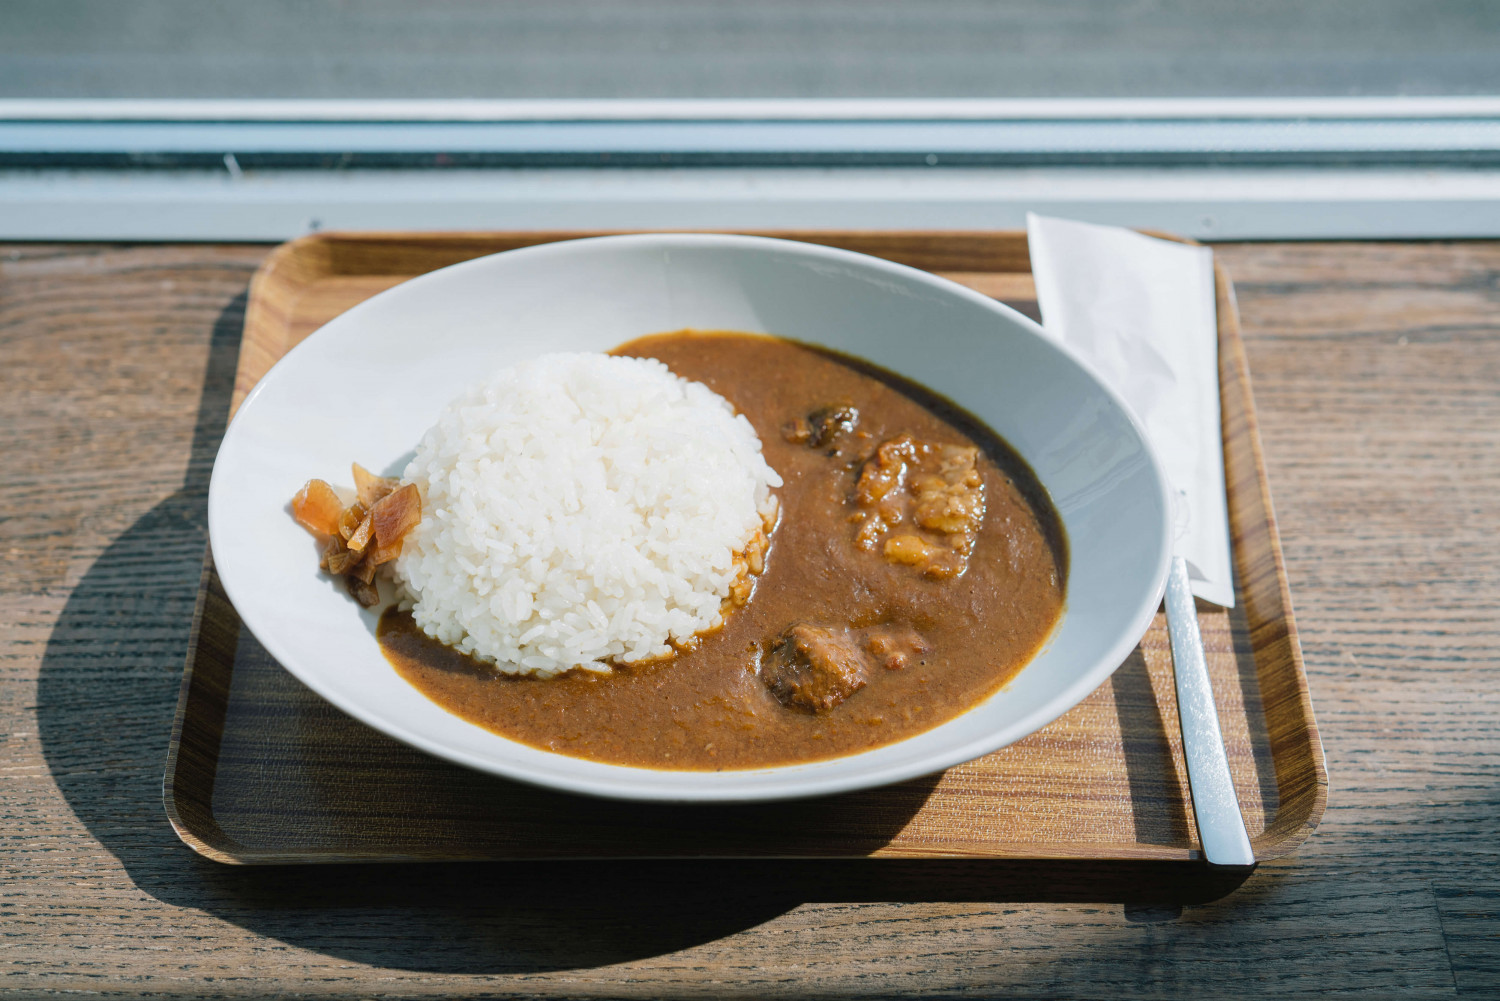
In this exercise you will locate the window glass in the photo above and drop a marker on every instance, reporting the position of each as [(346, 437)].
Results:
[(333, 49)]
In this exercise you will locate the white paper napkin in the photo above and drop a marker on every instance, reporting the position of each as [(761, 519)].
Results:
[(1141, 312)]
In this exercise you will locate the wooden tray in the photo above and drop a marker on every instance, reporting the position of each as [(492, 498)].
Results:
[(260, 770)]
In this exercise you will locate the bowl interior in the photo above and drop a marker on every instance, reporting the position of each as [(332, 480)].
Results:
[(402, 355)]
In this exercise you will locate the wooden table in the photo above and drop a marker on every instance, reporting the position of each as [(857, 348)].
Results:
[(1377, 373)]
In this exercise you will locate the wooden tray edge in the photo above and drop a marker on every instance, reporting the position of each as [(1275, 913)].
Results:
[(187, 814), (272, 295), (1061, 852), (1271, 846)]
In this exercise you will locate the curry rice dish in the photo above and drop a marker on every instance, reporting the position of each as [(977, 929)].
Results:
[(914, 567)]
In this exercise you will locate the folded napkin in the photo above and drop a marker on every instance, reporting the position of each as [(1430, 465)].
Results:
[(1141, 312)]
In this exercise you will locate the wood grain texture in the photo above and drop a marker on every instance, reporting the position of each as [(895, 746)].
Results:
[(1376, 370), (1107, 780)]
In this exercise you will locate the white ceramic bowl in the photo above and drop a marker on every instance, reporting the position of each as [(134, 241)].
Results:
[(403, 354)]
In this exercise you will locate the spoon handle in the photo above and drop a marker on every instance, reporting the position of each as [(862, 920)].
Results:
[(1221, 828)]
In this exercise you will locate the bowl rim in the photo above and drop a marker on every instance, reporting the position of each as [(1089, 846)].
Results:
[(609, 781)]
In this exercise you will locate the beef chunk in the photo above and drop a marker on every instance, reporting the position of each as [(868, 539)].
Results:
[(822, 425), (920, 504), (831, 421), (815, 668)]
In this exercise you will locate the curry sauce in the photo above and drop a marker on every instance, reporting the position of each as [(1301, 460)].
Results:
[(918, 641)]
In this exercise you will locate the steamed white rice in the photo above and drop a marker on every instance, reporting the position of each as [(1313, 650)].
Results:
[(579, 509)]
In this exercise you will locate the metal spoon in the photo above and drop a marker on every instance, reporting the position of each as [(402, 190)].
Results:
[(1221, 828)]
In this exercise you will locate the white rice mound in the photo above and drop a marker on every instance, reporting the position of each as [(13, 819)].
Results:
[(579, 509)]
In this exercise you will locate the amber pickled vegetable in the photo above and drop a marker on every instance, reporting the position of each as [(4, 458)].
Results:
[(371, 488), (364, 592), (333, 548), (397, 513), (342, 560), (378, 554), (365, 570), (364, 536), (350, 519), (361, 537), (317, 507)]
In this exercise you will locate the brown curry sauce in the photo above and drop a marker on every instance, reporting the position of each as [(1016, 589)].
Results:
[(708, 708)]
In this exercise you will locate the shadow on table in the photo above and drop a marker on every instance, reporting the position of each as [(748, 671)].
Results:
[(106, 695)]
